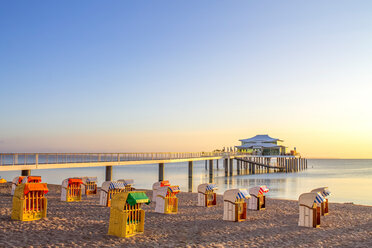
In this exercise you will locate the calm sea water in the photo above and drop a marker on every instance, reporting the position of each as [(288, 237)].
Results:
[(349, 180)]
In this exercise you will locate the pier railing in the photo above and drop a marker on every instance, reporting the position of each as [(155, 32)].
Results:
[(8, 159)]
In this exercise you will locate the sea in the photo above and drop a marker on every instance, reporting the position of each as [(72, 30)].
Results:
[(349, 180)]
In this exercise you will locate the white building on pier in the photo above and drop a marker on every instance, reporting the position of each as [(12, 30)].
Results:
[(262, 145)]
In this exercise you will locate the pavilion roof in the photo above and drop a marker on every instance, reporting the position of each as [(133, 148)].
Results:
[(259, 145), (260, 139)]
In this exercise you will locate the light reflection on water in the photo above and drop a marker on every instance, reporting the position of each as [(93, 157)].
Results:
[(348, 180)]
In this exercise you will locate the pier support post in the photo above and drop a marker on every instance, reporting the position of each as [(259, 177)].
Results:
[(190, 175), (108, 173), (15, 159), (217, 163), (238, 166), (231, 166), (26, 173), (211, 171), (286, 163), (161, 172), (206, 163), (226, 165)]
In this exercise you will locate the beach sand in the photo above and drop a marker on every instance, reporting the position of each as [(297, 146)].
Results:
[(85, 223)]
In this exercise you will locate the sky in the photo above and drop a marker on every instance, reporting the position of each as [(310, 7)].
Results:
[(147, 76)]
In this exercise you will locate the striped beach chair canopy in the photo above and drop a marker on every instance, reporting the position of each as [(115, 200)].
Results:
[(117, 185), (258, 190), (308, 199), (243, 194), (211, 187), (164, 191), (232, 195), (174, 189), (204, 187), (127, 181), (324, 191), (319, 199)]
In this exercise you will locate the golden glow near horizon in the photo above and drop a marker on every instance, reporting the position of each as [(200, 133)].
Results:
[(317, 144)]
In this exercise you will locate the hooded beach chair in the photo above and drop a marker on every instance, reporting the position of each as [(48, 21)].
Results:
[(324, 191), (89, 186), (234, 205), (29, 202), (157, 186), (258, 199), (166, 199), (16, 181), (207, 196), (24, 179), (71, 189), (309, 207), (110, 188), (126, 216)]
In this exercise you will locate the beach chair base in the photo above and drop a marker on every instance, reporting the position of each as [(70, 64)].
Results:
[(120, 227)]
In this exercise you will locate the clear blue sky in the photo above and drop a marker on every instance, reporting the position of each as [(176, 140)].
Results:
[(184, 75)]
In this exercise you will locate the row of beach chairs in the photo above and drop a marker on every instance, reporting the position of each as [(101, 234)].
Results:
[(126, 215)]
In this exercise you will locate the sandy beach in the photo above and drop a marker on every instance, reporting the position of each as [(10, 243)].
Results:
[(86, 223)]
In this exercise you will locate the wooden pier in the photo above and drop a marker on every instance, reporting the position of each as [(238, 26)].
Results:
[(256, 165), (245, 163)]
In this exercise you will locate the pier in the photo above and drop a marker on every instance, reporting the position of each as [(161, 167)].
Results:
[(246, 164)]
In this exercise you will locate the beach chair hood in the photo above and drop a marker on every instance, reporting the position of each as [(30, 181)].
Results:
[(75, 180), (157, 185), (324, 191), (232, 195), (259, 190), (132, 198), (127, 181), (89, 179), (137, 197), (308, 199), (17, 180), (163, 191), (35, 187), (108, 185), (203, 188), (28, 179)]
